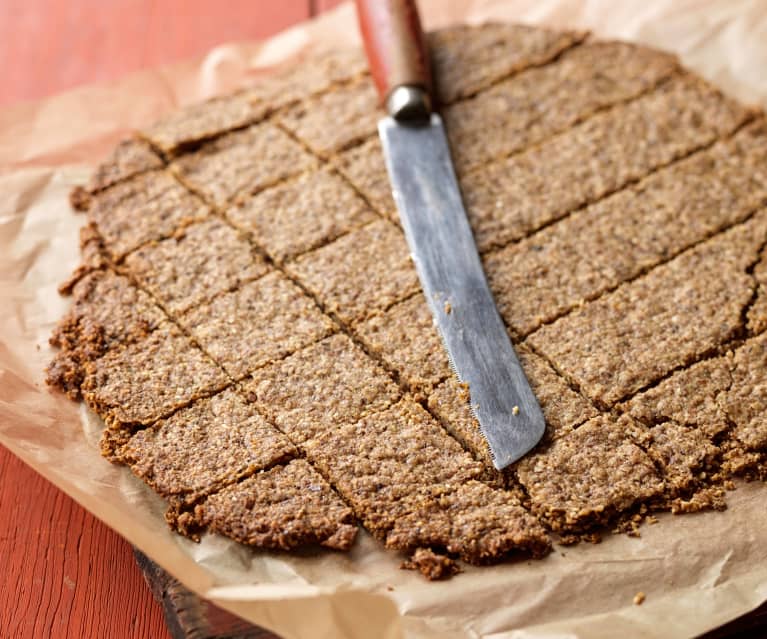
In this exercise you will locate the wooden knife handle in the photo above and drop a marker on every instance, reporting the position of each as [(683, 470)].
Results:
[(397, 53)]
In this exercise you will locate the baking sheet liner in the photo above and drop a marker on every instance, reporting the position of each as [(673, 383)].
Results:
[(698, 571)]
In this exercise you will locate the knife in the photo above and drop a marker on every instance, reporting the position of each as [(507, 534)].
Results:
[(441, 243)]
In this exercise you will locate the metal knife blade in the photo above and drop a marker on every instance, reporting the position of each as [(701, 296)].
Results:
[(442, 245), (437, 230)]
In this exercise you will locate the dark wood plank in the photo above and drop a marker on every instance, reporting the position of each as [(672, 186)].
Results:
[(188, 615), (748, 626)]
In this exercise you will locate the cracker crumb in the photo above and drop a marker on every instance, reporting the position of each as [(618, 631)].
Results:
[(515, 410), (431, 565), (639, 598), (710, 498)]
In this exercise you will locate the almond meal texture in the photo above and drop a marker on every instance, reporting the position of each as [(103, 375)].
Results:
[(248, 322)]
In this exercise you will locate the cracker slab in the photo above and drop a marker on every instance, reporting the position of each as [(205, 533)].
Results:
[(263, 320), (249, 324), (283, 508), (208, 445)]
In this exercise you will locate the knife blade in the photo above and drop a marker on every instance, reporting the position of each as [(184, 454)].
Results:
[(441, 242)]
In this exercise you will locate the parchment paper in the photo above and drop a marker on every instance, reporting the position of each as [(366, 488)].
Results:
[(698, 571)]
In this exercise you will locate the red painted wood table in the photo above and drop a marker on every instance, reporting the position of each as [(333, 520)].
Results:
[(62, 572)]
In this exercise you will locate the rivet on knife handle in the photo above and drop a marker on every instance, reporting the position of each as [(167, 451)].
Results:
[(399, 60)]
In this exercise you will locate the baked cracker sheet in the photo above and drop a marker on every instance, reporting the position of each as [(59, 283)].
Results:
[(697, 571)]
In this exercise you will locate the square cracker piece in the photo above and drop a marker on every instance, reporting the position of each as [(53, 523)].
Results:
[(541, 277), (197, 263), (107, 311), (320, 387), (406, 339), (149, 379), (130, 157), (211, 443), (260, 322), (714, 395), (149, 206), (680, 452), (282, 508), (746, 400), (332, 121), (689, 397), (364, 166), (301, 214), (472, 520), (378, 461), (242, 162), (360, 273), (204, 120), (315, 73), (468, 58), (585, 478)]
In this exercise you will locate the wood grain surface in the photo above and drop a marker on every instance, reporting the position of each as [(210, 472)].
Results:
[(47, 46), (62, 572)]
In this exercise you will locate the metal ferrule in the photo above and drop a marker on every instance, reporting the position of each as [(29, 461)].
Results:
[(409, 103)]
